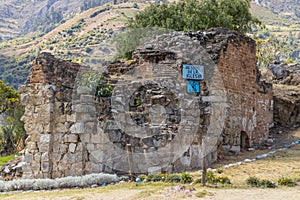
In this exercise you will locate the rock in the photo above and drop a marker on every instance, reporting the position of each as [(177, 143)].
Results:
[(154, 170), (12, 169), (72, 147)]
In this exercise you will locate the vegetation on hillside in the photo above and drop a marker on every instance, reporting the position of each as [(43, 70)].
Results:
[(280, 49)]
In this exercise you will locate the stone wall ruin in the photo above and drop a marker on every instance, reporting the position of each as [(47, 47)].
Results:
[(150, 123)]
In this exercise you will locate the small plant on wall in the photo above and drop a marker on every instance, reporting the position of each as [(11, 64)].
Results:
[(95, 82)]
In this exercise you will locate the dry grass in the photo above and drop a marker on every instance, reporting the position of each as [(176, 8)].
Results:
[(285, 163)]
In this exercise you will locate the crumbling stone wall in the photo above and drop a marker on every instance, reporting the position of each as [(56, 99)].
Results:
[(249, 98), (73, 133), (48, 119)]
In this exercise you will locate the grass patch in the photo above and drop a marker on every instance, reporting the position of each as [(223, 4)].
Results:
[(284, 164), (5, 159)]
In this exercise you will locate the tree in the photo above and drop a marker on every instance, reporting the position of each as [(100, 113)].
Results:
[(9, 98), (13, 135), (195, 15)]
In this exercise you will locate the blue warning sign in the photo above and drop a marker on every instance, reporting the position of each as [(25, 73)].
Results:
[(193, 87)]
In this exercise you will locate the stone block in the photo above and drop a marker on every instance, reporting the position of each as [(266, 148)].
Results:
[(56, 157), (71, 118), (31, 146), (72, 147), (44, 147), (79, 147), (56, 174), (77, 166), (72, 138), (45, 166), (77, 128), (90, 147), (97, 156), (86, 138), (45, 157), (82, 90), (28, 158), (85, 108), (60, 128), (96, 138), (45, 138), (154, 170), (87, 99)]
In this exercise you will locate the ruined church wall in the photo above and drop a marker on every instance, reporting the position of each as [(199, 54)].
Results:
[(249, 99), (73, 133)]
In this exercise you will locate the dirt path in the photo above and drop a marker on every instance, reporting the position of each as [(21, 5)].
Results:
[(164, 194)]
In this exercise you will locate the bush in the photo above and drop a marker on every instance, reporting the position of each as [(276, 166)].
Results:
[(199, 180), (286, 181), (154, 178), (253, 181), (186, 178), (267, 184), (210, 177), (172, 178), (221, 179), (220, 170)]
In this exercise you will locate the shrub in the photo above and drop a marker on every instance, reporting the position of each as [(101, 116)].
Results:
[(172, 178), (220, 170), (186, 178), (253, 181), (221, 179), (199, 180), (154, 178), (286, 181), (267, 184), (210, 177)]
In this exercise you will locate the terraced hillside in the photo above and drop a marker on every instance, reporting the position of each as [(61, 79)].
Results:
[(77, 39), (19, 17)]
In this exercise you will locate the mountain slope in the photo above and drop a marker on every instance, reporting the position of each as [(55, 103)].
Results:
[(19, 17), (289, 9), (77, 39)]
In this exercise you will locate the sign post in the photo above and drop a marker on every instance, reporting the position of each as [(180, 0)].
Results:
[(193, 74)]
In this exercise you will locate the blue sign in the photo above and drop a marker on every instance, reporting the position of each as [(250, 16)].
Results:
[(193, 86), (194, 72)]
